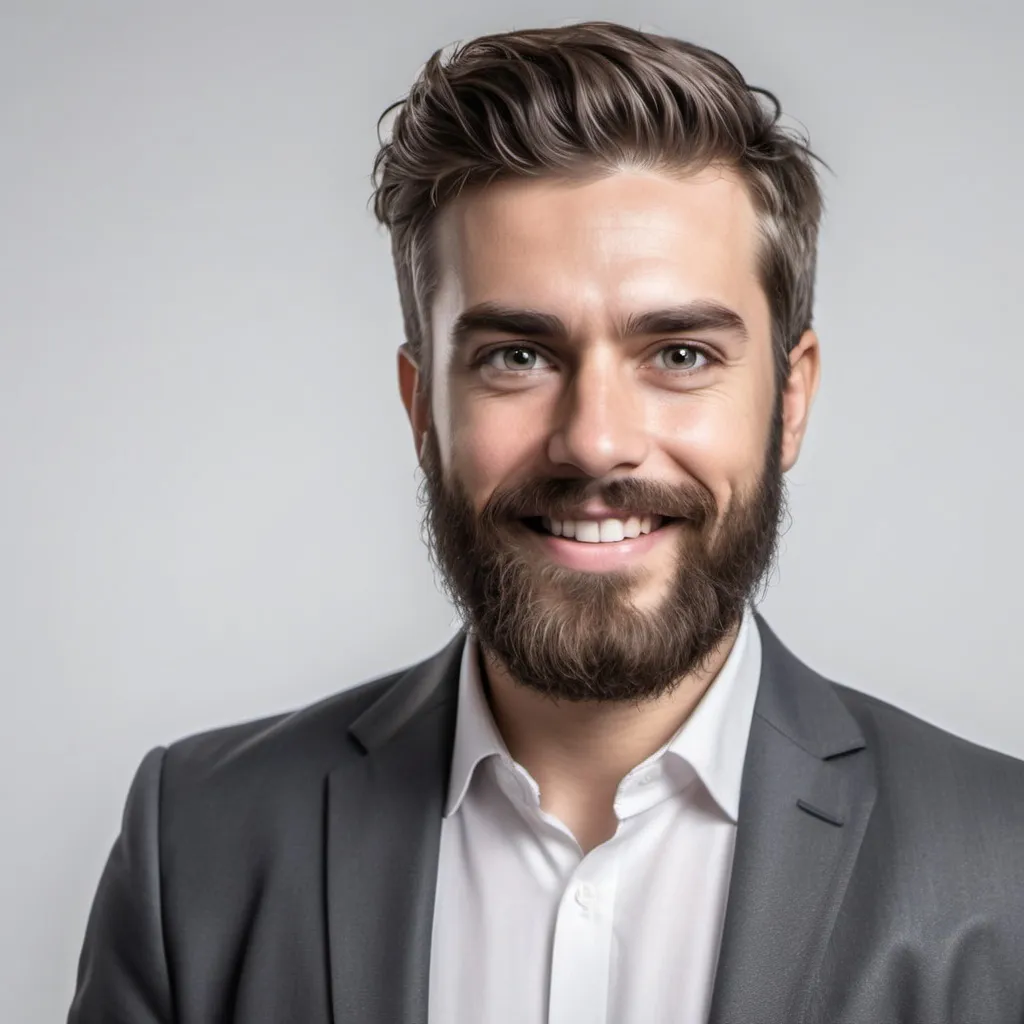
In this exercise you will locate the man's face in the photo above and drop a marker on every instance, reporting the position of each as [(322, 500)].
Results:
[(603, 441)]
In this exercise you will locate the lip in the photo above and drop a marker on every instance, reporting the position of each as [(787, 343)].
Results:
[(604, 557)]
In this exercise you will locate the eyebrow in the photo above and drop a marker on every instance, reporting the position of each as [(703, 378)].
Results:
[(698, 315)]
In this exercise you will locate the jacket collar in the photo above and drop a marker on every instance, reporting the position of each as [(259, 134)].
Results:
[(807, 792)]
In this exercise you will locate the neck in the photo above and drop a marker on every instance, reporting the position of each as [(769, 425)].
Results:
[(578, 752)]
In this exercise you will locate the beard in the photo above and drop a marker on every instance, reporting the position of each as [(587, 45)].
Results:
[(575, 635)]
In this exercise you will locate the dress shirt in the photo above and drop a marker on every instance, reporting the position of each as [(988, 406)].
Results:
[(529, 930)]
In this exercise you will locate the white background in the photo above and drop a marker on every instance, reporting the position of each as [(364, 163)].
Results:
[(207, 490)]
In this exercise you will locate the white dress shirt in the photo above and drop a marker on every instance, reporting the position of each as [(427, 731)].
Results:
[(529, 930)]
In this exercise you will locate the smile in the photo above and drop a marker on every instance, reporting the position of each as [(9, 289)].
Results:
[(599, 531), (605, 544)]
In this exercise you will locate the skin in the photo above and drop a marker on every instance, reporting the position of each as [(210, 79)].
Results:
[(594, 402)]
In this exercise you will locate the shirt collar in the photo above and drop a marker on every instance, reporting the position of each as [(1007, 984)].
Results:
[(712, 741), (476, 734)]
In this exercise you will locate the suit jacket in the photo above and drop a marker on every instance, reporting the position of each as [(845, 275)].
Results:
[(283, 871)]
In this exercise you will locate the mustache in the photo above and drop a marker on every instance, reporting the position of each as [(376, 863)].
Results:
[(560, 497)]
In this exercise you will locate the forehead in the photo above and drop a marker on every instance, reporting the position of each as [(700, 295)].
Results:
[(606, 246)]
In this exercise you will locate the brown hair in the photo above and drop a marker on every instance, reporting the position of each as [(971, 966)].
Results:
[(598, 96)]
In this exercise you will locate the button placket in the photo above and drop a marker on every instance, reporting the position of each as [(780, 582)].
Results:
[(581, 952)]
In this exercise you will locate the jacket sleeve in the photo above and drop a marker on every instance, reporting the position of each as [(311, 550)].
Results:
[(122, 971)]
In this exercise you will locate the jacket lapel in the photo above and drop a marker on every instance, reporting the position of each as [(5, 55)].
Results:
[(807, 793), (384, 813)]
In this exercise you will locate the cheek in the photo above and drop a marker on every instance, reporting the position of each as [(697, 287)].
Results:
[(719, 440), (495, 442)]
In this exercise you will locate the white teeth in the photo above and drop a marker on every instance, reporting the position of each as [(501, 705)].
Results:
[(603, 531), (611, 531)]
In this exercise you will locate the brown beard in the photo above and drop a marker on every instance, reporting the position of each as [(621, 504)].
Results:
[(575, 635)]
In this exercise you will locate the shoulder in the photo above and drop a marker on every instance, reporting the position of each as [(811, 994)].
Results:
[(312, 735), (263, 772), (938, 789), (943, 852), (909, 746)]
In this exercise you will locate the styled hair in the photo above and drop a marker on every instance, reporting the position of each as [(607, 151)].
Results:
[(594, 96)]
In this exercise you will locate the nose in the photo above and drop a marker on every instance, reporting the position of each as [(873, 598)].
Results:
[(601, 426)]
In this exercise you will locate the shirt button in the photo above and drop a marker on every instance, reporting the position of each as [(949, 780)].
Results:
[(646, 780), (585, 895)]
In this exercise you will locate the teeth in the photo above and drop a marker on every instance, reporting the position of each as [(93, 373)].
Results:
[(604, 531), (612, 530), (552, 526)]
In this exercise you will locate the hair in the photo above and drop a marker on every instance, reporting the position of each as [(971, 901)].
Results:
[(585, 98)]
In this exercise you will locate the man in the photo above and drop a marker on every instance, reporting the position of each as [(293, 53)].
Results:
[(616, 796)]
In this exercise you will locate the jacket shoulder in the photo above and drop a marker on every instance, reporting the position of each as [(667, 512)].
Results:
[(315, 734), (908, 738), (257, 777), (940, 867), (935, 785)]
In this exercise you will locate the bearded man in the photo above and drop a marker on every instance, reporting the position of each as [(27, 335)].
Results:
[(615, 797)]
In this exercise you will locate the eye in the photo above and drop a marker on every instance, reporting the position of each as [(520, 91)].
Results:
[(514, 359), (680, 357)]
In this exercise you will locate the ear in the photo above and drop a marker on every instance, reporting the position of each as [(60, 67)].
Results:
[(798, 396), (417, 404)]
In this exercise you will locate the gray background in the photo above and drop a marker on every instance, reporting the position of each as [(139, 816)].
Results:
[(208, 493)]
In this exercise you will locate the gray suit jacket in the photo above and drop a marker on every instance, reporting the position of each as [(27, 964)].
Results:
[(283, 871)]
